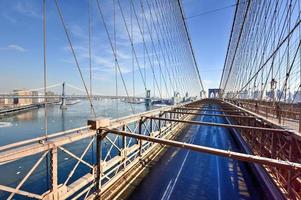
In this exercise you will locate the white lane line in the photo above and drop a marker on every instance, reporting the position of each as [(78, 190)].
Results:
[(166, 190), (217, 165), (179, 172), (218, 179), (169, 189)]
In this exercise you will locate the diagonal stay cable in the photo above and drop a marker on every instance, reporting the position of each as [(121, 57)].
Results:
[(190, 46), (289, 71), (269, 58), (152, 41), (161, 39), (237, 44), (146, 49), (113, 51), (74, 56), (132, 44)]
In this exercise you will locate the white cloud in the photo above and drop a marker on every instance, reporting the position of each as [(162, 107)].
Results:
[(78, 31), (102, 60), (14, 47), (9, 18), (26, 8), (207, 82)]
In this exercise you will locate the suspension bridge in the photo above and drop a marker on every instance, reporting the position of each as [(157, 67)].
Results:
[(242, 141), (76, 93)]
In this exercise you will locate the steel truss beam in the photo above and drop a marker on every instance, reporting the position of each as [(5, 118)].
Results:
[(285, 146), (214, 151), (200, 109), (220, 125), (215, 115)]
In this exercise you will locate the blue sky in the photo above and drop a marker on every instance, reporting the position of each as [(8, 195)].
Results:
[(210, 34), (21, 44)]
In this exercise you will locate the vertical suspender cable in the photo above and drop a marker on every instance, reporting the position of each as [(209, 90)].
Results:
[(45, 70), (145, 45), (90, 48), (90, 63), (237, 44), (191, 49), (45, 89), (74, 55), (132, 49), (299, 90), (115, 49), (132, 43), (144, 61), (229, 44)]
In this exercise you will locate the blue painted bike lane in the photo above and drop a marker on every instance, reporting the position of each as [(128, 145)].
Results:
[(184, 174)]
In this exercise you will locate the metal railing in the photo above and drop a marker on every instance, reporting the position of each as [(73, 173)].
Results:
[(95, 160), (66, 158), (275, 145)]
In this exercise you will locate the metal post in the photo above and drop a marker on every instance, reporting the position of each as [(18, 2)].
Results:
[(98, 163), (151, 126), (266, 111), (273, 146), (53, 173), (172, 116), (160, 115), (299, 120), (289, 173), (124, 147), (261, 142), (139, 140), (171, 123), (278, 113)]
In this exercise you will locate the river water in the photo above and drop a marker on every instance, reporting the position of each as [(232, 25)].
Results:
[(30, 124)]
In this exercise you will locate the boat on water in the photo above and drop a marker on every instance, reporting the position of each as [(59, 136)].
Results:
[(72, 102), (69, 102), (133, 101)]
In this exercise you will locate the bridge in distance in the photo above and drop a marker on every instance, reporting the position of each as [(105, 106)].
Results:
[(242, 142)]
